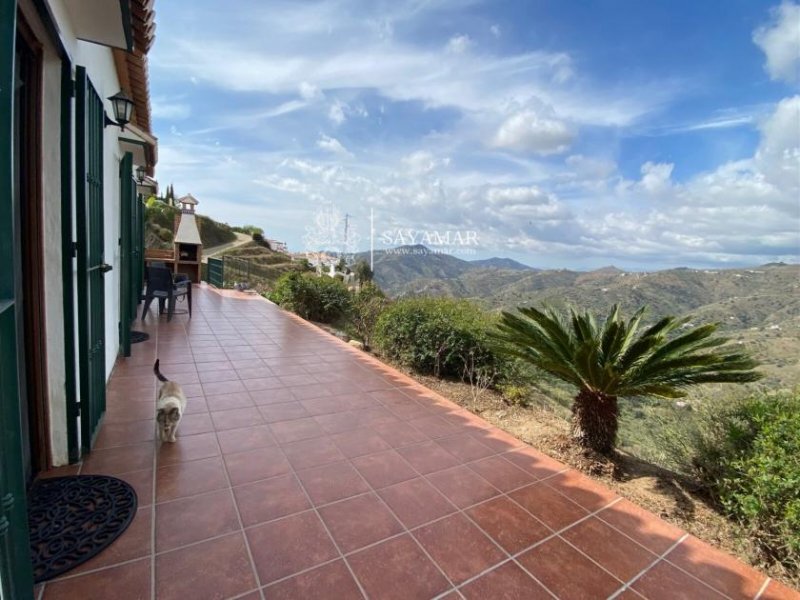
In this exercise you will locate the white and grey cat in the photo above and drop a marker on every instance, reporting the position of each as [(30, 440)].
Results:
[(169, 408)]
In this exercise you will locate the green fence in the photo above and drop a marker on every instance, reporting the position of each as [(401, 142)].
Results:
[(216, 272), (241, 270), (230, 270)]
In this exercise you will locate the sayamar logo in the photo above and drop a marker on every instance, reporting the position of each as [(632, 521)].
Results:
[(331, 232)]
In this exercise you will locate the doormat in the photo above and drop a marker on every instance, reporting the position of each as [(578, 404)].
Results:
[(139, 336), (72, 519)]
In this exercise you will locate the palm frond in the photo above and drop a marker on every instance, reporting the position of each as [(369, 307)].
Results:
[(615, 358)]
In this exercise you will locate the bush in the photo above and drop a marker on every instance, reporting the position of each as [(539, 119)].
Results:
[(368, 305), (213, 233), (315, 298), (762, 485), (747, 454), (164, 234), (515, 395), (437, 336), (250, 230), (160, 214)]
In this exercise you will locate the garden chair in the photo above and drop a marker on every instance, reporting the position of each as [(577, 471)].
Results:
[(161, 286)]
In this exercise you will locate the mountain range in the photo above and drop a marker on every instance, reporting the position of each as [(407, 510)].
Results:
[(759, 307)]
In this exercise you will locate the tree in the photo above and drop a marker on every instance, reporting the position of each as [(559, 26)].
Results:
[(610, 361), (363, 273), (170, 197)]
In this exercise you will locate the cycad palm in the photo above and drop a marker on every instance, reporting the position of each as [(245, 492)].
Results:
[(611, 360)]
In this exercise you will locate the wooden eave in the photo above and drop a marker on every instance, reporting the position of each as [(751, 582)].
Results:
[(132, 66)]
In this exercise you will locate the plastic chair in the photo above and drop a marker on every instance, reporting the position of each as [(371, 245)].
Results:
[(161, 286)]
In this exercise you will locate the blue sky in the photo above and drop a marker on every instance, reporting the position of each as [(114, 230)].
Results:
[(563, 134)]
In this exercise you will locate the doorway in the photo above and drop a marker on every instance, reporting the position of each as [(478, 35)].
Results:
[(30, 249)]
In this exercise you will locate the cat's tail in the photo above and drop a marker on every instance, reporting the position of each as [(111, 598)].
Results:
[(158, 373)]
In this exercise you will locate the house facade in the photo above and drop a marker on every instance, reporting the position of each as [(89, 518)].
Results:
[(70, 233)]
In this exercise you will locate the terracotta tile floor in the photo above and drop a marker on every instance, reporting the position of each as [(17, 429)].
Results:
[(306, 469)]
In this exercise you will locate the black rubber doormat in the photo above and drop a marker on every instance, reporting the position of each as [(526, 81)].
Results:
[(72, 519), (139, 336)]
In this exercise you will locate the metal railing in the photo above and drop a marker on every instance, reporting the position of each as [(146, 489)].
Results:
[(230, 270)]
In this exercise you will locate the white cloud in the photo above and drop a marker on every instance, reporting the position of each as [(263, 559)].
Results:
[(656, 177), (780, 41), (309, 91), (589, 167), (534, 129), (495, 30), (336, 113), (331, 144), (340, 111), (458, 44), (423, 162), (778, 154), (476, 84), (495, 165), (164, 108)]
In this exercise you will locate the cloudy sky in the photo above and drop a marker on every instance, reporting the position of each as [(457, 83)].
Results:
[(563, 134)]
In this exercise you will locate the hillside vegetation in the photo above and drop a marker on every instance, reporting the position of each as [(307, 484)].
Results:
[(160, 222), (758, 308)]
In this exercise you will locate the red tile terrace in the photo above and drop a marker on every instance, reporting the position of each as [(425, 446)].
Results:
[(306, 469)]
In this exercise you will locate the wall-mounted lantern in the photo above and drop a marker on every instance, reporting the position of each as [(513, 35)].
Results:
[(123, 109)]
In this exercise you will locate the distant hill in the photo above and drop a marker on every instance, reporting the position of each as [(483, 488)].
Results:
[(396, 267), (759, 308), (501, 263)]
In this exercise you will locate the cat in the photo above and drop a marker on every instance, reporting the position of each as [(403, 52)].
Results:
[(169, 408)]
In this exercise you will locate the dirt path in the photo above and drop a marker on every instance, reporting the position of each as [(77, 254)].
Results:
[(241, 239)]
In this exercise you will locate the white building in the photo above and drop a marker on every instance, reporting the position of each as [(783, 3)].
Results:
[(70, 222)]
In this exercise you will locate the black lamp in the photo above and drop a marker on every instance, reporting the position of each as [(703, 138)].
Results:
[(141, 171), (123, 107)]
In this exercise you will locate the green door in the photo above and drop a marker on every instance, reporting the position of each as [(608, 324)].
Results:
[(138, 254), (127, 198), (16, 578), (89, 120)]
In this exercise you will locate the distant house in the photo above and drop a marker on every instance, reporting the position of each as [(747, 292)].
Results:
[(70, 233), (278, 246)]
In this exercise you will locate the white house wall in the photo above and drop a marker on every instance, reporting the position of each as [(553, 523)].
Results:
[(100, 67), (99, 63)]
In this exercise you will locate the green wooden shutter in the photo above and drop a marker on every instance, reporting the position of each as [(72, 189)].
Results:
[(127, 199), (68, 262), (89, 119), (16, 577)]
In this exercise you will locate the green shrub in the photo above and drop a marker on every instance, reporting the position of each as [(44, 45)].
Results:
[(747, 454), (368, 305), (159, 213), (515, 395), (213, 233), (250, 230), (762, 485), (438, 336), (164, 234), (315, 298)]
